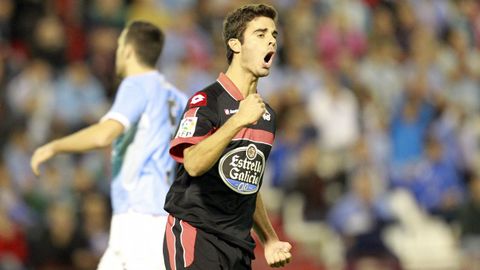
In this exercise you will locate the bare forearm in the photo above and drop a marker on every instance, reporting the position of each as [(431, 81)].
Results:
[(92, 137), (201, 157), (261, 222)]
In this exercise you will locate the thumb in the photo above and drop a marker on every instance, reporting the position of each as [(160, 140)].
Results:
[(35, 169), (34, 164)]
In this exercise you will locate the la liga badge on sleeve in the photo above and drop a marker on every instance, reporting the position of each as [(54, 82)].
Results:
[(187, 127)]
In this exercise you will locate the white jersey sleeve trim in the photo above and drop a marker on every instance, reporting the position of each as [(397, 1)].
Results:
[(118, 117)]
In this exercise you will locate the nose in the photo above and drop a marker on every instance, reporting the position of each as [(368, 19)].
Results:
[(272, 42)]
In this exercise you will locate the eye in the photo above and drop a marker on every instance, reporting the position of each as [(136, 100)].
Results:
[(261, 35)]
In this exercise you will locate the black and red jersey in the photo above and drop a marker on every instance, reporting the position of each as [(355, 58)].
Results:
[(221, 201)]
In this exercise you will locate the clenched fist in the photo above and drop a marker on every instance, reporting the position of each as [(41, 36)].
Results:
[(250, 109), (277, 253)]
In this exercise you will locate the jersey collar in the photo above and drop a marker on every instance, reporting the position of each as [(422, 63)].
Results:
[(230, 87)]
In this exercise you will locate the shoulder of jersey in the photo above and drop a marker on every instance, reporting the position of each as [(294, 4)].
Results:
[(128, 82), (199, 99), (202, 98)]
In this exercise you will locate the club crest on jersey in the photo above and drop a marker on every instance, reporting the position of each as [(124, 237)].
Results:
[(199, 99), (266, 116), (241, 169)]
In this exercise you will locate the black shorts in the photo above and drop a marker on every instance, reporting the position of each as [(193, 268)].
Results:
[(186, 247)]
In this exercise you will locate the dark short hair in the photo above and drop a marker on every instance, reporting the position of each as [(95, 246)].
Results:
[(236, 22), (147, 41)]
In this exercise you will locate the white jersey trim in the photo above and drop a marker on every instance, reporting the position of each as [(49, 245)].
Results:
[(118, 117)]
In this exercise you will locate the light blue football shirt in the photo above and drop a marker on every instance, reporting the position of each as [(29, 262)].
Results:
[(149, 108)]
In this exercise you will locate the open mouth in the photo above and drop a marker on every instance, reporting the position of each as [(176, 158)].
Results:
[(268, 57)]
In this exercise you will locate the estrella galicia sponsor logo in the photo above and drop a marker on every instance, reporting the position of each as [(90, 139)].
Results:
[(242, 168)]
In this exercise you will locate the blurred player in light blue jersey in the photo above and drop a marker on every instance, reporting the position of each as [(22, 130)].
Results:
[(140, 125)]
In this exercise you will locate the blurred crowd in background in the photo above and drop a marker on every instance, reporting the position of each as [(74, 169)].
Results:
[(376, 163)]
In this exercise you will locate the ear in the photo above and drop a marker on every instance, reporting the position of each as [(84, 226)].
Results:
[(234, 45), (129, 52)]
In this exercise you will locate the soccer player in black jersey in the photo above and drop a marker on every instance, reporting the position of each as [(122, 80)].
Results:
[(222, 144)]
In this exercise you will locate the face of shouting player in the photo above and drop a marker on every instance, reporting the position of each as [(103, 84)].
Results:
[(259, 46)]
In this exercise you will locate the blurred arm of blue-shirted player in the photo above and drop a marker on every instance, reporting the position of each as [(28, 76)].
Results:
[(92, 137), (128, 107)]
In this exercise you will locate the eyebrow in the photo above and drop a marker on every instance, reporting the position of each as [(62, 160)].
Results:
[(264, 30)]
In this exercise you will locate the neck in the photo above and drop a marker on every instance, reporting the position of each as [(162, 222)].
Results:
[(136, 69), (245, 81)]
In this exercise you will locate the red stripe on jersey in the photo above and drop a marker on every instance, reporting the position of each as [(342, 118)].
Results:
[(255, 135), (179, 144), (170, 241), (189, 235), (230, 87), (191, 112)]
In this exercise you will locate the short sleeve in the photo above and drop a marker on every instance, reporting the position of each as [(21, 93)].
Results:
[(129, 104), (197, 124)]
